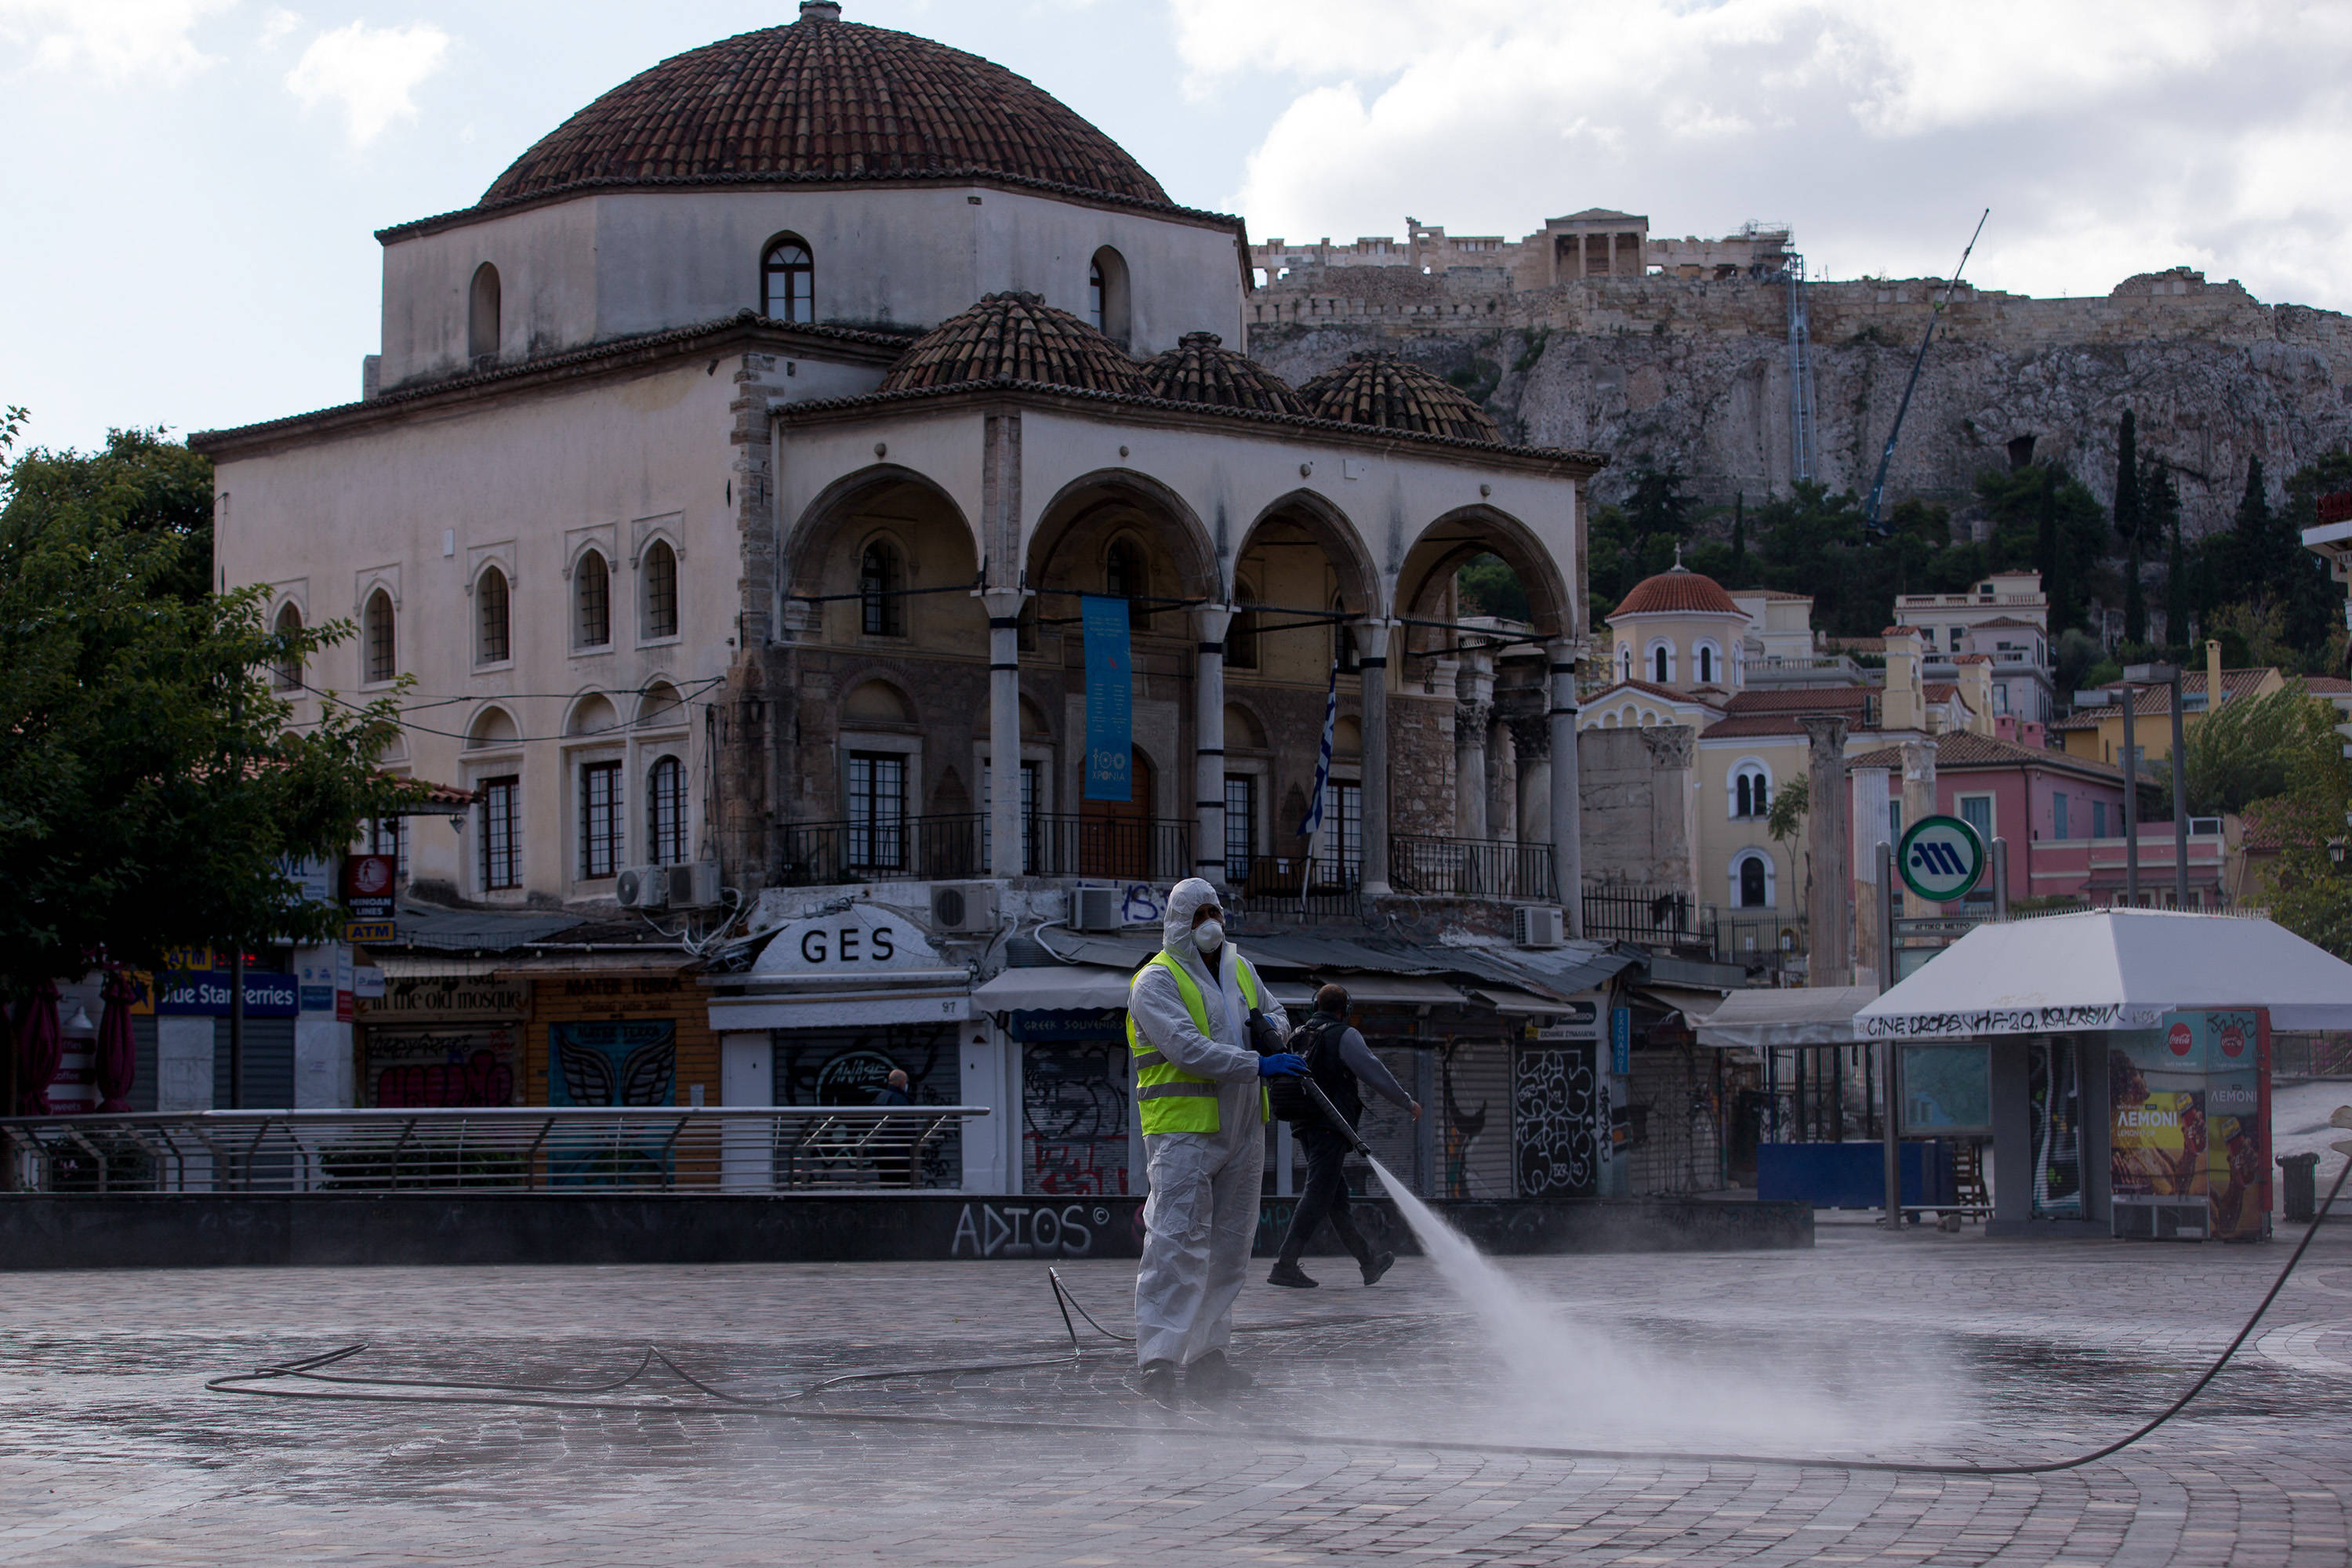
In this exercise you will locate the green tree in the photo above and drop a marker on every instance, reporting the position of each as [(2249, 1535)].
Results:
[(2304, 889), (1786, 823), (2259, 748), (1658, 504), (2044, 517), (153, 791), (2161, 497), (1489, 588), (2310, 600)]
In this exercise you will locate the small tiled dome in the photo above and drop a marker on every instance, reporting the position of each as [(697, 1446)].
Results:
[(1200, 370), (1381, 390), (1678, 592), (1016, 336), (825, 99)]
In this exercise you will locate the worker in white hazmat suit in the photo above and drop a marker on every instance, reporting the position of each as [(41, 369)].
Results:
[(1203, 1113)]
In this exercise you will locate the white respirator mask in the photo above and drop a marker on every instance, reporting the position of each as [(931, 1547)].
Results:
[(1209, 936)]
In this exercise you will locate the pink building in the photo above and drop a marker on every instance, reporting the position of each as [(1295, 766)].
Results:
[(2064, 819)]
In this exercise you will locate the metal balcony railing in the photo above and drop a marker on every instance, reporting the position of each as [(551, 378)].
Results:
[(1472, 868), (1110, 848), (1651, 916), (526, 1149), (1279, 886), (897, 848)]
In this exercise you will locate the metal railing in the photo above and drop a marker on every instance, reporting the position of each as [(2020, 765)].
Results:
[(1278, 886), (900, 849), (508, 1149), (1651, 916), (1760, 939), (1472, 868), (1113, 848)]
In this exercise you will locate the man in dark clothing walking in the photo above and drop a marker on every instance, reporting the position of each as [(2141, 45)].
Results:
[(1336, 1058)]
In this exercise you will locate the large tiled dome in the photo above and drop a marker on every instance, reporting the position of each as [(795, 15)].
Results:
[(1017, 337), (1386, 392), (1200, 369), (1680, 590), (825, 99)]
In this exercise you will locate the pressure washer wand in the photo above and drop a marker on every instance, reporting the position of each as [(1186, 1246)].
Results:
[(1315, 1092)]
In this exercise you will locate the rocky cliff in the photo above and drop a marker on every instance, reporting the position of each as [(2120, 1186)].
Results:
[(1697, 373)]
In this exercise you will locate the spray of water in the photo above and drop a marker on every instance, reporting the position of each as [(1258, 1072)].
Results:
[(1571, 1379)]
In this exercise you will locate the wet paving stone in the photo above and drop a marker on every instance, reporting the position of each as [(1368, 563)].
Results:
[(1921, 1348)]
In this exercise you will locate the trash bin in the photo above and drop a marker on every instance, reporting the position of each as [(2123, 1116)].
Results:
[(2300, 1187)]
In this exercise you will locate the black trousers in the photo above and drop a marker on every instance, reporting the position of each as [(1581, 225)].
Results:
[(1325, 1197)]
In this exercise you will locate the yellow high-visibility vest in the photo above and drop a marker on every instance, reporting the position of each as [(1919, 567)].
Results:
[(1173, 1100)]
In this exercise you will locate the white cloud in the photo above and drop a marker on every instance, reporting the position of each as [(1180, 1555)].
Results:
[(115, 41), (373, 73), (2106, 137)]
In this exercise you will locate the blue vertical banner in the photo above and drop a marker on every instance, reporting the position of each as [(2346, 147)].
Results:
[(1111, 699)]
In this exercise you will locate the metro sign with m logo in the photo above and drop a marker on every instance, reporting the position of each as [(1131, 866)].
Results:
[(1941, 859)]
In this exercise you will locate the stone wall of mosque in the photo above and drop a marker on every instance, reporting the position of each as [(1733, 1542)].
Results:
[(1697, 373)]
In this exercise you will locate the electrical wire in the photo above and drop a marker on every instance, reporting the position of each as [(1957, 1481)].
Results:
[(437, 1392), (686, 699)]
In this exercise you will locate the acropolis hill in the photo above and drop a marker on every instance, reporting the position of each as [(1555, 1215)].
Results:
[(1593, 333)]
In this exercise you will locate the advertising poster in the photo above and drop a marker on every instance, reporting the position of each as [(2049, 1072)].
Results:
[(2188, 1101), (460, 1065)]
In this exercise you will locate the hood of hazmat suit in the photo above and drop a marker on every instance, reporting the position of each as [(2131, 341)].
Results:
[(1202, 1214)]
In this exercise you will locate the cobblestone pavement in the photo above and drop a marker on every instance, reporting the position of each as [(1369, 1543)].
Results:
[(1925, 1346)]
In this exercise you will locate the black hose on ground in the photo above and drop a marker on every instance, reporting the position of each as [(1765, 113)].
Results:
[(446, 1392)]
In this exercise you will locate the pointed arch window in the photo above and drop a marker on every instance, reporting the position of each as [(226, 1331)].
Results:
[(665, 811), (592, 599), (482, 306), (493, 619), (880, 579), (658, 574), (788, 280), (378, 652), (1124, 576), (286, 674)]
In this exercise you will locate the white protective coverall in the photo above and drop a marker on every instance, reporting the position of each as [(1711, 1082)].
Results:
[(1202, 1214)]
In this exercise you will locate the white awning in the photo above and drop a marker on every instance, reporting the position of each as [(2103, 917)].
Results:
[(1053, 988), (1755, 1020), (1397, 990), (838, 1010), (2112, 969), (1506, 999)]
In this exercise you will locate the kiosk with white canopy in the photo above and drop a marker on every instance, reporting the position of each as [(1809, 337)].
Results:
[(2125, 1062)]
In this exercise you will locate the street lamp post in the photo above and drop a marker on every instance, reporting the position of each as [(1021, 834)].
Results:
[(2134, 676)]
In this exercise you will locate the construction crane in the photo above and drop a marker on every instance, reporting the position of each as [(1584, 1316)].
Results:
[(1872, 522)]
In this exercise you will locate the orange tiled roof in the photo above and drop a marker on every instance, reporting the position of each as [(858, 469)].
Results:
[(824, 99), (1681, 591), (1390, 394), (1199, 369), (1014, 337)]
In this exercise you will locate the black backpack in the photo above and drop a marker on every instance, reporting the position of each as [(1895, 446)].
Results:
[(1311, 1040)]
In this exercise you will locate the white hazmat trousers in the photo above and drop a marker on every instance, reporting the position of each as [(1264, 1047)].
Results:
[(1202, 1212)]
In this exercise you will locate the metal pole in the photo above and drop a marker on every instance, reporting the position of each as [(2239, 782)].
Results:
[(1886, 1123), (2001, 878), (2131, 802), (237, 1026), (2180, 800), (1891, 1070)]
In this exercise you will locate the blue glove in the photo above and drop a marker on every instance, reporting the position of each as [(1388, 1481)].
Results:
[(1280, 1063)]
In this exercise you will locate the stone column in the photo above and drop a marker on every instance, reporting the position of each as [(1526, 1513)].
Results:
[(1531, 744), (1474, 707), (1566, 823), (1828, 837), (1003, 730), (1209, 749), (1372, 644)]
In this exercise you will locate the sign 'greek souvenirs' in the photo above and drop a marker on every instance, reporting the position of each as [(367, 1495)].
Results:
[(1940, 859)]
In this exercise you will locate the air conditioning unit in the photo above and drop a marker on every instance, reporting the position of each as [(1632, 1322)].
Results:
[(1538, 925), (643, 886), (693, 885), (1094, 909), (963, 907)]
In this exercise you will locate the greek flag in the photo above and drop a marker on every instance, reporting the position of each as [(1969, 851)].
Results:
[(1313, 822)]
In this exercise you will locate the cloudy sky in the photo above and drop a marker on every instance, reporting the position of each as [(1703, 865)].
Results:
[(188, 187)]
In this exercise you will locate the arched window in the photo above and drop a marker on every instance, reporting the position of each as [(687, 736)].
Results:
[(1107, 306), (591, 596), (1751, 791), (1661, 664), (482, 314), (1704, 657), (1755, 882), (493, 619), (287, 673), (1624, 663), (665, 811), (658, 570), (378, 653), (788, 280), (1124, 576), (879, 581)]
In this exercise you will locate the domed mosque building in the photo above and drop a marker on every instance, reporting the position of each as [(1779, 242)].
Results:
[(737, 476)]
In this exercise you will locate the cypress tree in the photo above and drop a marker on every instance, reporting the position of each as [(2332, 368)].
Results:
[(2245, 568), (2052, 560), (2127, 525), (1739, 536)]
